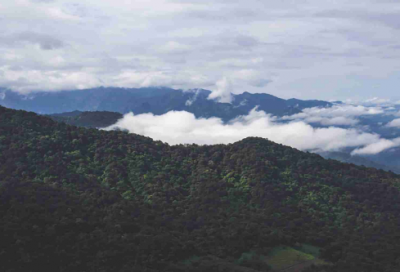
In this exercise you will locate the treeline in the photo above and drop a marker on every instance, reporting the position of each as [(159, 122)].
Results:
[(89, 119), (76, 199)]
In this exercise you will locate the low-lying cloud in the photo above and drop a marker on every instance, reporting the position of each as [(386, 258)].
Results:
[(180, 127), (379, 146), (337, 115), (394, 123), (223, 91)]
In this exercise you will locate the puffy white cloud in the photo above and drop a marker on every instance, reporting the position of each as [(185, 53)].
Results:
[(342, 114), (25, 81), (377, 101), (136, 78), (183, 127), (394, 123), (223, 92), (377, 147)]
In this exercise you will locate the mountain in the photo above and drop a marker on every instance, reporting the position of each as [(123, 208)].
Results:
[(96, 119), (77, 199), (151, 100), (359, 160)]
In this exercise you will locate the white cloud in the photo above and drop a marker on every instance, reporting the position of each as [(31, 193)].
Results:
[(183, 127), (394, 123), (379, 146), (252, 77), (25, 81), (223, 92), (190, 101), (377, 101), (341, 114), (135, 78)]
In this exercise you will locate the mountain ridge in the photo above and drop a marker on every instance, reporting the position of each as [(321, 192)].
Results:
[(152, 100)]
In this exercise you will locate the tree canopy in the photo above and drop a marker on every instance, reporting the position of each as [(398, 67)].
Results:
[(78, 199)]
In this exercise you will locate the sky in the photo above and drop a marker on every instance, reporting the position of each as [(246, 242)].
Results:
[(307, 49)]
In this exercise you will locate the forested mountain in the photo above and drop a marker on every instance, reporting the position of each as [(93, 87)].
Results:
[(89, 119), (77, 199), (151, 100)]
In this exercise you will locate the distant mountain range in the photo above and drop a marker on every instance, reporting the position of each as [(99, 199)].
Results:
[(359, 160), (152, 100)]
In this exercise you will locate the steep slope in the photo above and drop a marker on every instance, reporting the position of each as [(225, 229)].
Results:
[(150, 100), (113, 201)]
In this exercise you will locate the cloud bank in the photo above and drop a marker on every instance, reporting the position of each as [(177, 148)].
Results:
[(394, 123), (180, 127), (377, 147), (305, 49), (337, 115)]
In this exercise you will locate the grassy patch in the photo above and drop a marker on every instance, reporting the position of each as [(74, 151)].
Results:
[(283, 257), (309, 249)]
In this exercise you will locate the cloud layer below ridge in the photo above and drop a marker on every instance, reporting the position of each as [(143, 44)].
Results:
[(180, 127)]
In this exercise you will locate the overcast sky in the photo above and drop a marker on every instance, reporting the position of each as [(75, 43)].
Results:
[(332, 49)]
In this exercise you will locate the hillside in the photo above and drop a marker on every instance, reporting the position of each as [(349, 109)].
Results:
[(151, 100), (77, 199), (89, 119)]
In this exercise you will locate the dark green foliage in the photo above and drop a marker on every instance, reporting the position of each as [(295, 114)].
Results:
[(76, 199), (95, 119)]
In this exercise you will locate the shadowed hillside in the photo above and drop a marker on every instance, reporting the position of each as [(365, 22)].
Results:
[(96, 119)]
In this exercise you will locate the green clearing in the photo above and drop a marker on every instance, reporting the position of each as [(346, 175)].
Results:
[(309, 249), (283, 257)]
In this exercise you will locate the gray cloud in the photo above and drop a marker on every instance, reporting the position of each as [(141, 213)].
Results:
[(394, 123), (46, 42), (305, 49), (337, 115)]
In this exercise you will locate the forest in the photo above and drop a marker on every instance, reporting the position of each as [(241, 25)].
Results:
[(89, 119), (82, 199)]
